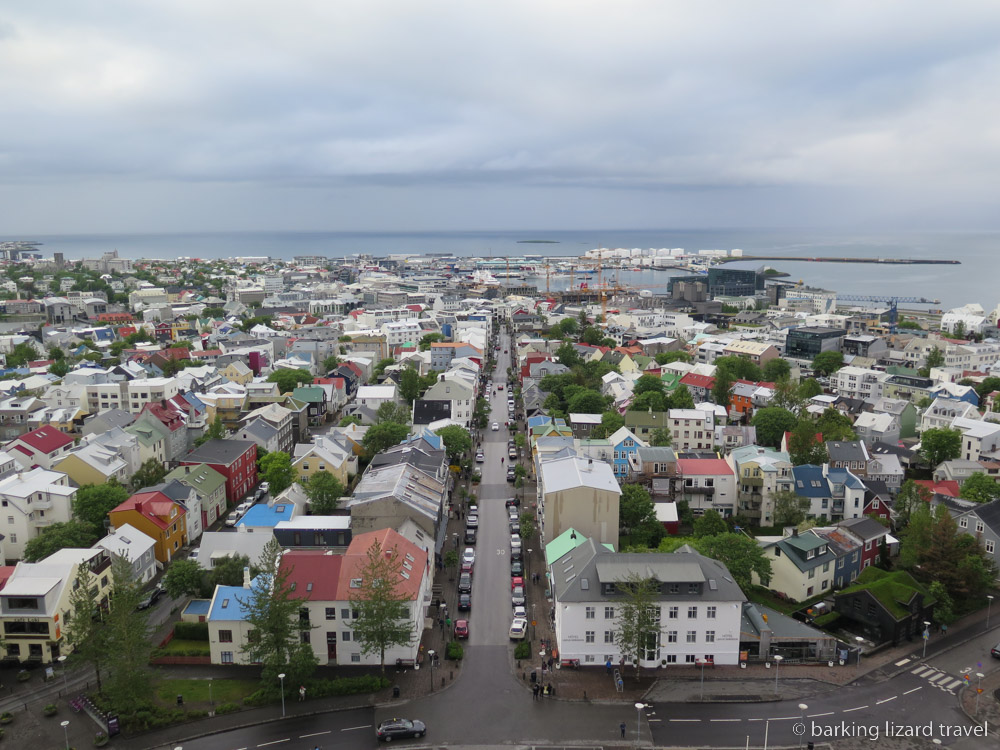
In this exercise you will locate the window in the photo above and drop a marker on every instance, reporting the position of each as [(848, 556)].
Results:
[(825, 584), (692, 612), (671, 658), (331, 613), (589, 636), (672, 613), (709, 636), (690, 659), (356, 658), (980, 527), (710, 612), (591, 613), (692, 588), (227, 657), (345, 636), (990, 546), (671, 636), (609, 636), (963, 523), (692, 636), (305, 636), (588, 657), (812, 573), (826, 567), (345, 614), (609, 613)]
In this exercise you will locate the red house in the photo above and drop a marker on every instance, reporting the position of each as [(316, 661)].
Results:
[(236, 460), (41, 447)]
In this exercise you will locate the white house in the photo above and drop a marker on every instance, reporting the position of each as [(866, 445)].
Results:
[(31, 501), (128, 543), (373, 396)]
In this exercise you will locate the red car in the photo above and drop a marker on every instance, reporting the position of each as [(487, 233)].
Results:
[(461, 628), (516, 581)]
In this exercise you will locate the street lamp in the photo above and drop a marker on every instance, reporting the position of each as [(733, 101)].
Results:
[(62, 663), (777, 663), (989, 606), (65, 724), (282, 678), (860, 640), (927, 636), (430, 656), (210, 701), (979, 689), (802, 715), (638, 721)]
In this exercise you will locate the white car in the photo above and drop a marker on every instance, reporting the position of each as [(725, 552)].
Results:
[(520, 612), (469, 556), (517, 596), (518, 628), (265, 486), (496, 427), (480, 457)]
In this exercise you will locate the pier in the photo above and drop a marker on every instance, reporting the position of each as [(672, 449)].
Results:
[(889, 261)]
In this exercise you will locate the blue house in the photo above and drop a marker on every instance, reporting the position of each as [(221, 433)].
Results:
[(624, 445)]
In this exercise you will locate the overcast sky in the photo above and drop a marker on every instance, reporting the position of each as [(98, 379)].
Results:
[(191, 115)]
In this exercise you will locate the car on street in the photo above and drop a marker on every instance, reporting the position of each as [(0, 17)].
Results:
[(517, 596), (516, 568), (472, 520), (461, 628), (464, 602), (512, 502), (500, 387), (193, 554), (495, 427), (520, 612), (151, 598), (469, 555), (259, 495), (466, 567), (232, 518), (995, 651), (480, 457), (266, 486), (470, 536), (515, 526), (518, 629), (515, 582), (512, 454), (511, 476), (515, 553), (393, 729), (465, 583)]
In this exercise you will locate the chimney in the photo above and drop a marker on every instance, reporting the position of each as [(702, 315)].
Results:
[(795, 531), (246, 577)]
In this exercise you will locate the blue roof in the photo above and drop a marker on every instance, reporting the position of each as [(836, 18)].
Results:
[(197, 607), (194, 400), (435, 440), (805, 476), (538, 421), (267, 515), (846, 478), (230, 603)]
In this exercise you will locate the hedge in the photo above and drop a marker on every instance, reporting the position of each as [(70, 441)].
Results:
[(323, 689), (191, 631)]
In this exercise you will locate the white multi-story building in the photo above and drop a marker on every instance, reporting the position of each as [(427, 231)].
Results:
[(402, 331), (859, 382), (698, 606), (149, 391), (691, 429), (29, 502)]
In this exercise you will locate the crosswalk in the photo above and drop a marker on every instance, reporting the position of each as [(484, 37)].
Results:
[(937, 678)]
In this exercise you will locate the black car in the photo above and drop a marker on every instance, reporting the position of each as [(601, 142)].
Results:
[(465, 583), (995, 651), (470, 536), (151, 598), (511, 476), (464, 602), (516, 568), (397, 728), (512, 502)]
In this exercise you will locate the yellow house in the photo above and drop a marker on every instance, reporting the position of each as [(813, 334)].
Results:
[(324, 455), (237, 372), (93, 464)]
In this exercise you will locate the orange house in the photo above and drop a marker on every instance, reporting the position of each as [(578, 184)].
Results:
[(157, 516)]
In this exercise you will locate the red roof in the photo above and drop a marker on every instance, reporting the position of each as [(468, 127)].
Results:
[(45, 439), (6, 571), (168, 417), (153, 505), (948, 487), (357, 556), (704, 466), (698, 381), (314, 574)]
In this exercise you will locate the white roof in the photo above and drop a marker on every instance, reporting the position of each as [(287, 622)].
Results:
[(316, 522), (573, 471), (376, 391), (585, 418), (127, 541), (666, 512)]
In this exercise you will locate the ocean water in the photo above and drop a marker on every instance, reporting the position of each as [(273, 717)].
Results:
[(977, 279)]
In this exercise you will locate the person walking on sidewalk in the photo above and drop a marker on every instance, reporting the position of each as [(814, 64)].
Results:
[(622, 727), (534, 691), (302, 693)]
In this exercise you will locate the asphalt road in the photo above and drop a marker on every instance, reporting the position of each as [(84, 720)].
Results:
[(344, 730)]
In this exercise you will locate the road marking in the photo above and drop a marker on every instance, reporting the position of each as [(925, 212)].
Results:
[(717, 720), (939, 676), (686, 720), (921, 687), (785, 718), (921, 671), (351, 729), (848, 710), (902, 663), (652, 720), (886, 700), (816, 716), (274, 742), (954, 685), (315, 734), (755, 720)]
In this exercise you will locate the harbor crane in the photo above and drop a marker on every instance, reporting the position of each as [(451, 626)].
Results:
[(891, 301)]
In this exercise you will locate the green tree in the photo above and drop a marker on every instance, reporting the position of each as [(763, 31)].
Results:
[(586, 401), (349, 420), (381, 367), (944, 607), (649, 401), (183, 578), (276, 469), (803, 445), (457, 441), (60, 368), (410, 385), (637, 622), (93, 502), (987, 386), (382, 436), (215, 431), (979, 488), (289, 380), (835, 426), (128, 686), (935, 358), (567, 355), (21, 354), (787, 396), (635, 507), (527, 522), (910, 497), (60, 535), (430, 338), (382, 607), (738, 368), (591, 336), (56, 353), (85, 626), (390, 411), (665, 358), (324, 491), (722, 387), (151, 472), (776, 369), (229, 571), (611, 422), (710, 524), (331, 363), (272, 612), (789, 508), (647, 383), (681, 398), (771, 423), (940, 445), (826, 363), (741, 555), (661, 437)]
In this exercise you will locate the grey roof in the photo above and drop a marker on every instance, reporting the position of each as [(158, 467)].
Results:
[(989, 513), (846, 450), (420, 454), (578, 575), (261, 429), (219, 451), (796, 549), (107, 419), (866, 528), (656, 453), (781, 626)]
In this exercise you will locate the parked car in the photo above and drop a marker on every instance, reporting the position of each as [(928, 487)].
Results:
[(472, 520), (469, 555), (515, 526), (461, 628), (515, 582), (995, 651), (511, 476), (513, 502), (512, 454), (470, 536), (232, 518), (464, 602), (266, 486), (465, 583), (518, 629), (520, 612), (151, 598), (517, 596), (516, 568), (193, 554), (480, 457), (392, 729)]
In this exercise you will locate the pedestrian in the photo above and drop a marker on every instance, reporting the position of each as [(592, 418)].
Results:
[(534, 691), (302, 693), (441, 622), (550, 663), (607, 666), (622, 727), (447, 621)]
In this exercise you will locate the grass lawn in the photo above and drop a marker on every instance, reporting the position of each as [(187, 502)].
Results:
[(178, 647), (196, 691)]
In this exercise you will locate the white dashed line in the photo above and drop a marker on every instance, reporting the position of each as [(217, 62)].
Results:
[(725, 719), (902, 663), (921, 671), (785, 718), (886, 700), (816, 716), (274, 742), (351, 729), (755, 720), (686, 720), (653, 720), (921, 687), (848, 710), (938, 677), (314, 734)]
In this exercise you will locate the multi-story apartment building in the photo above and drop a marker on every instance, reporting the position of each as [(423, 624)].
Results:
[(31, 501), (760, 473), (148, 391), (859, 382), (692, 429)]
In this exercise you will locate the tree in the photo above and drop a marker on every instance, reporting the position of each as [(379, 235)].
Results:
[(383, 609), (636, 617), (21, 354), (183, 578), (788, 396), (979, 488), (128, 686), (940, 445), (665, 358), (331, 363), (390, 411), (61, 535), (567, 355), (324, 491), (910, 497), (649, 401), (276, 469), (56, 353), (776, 369), (272, 612), (229, 571), (789, 508), (681, 398), (804, 447), (349, 420), (611, 422), (935, 358), (738, 368), (722, 387), (741, 555), (834, 425), (457, 441), (85, 627), (151, 472), (382, 436), (93, 502), (710, 524), (430, 338), (288, 380), (944, 607), (661, 437), (826, 363), (410, 386), (586, 401), (60, 368), (527, 522), (635, 506), (215, 431), (592, 336), (987, 386), (647, 383), (771, 423), (380, 368)]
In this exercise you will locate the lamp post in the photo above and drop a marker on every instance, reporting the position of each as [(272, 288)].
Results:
[(802, 715), (430, 657), (282, 678), (927, 636), (210, 701), (638, 721), (989, 606), (703, 679), (65, 724), (777, 663), (527, 563), (62, 663), (979, 689), (533, 621), (860, 640)]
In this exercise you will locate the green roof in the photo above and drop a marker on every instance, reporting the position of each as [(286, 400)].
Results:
[(805, 542), (310, 394), (148, 431), (565, 543), (646, 418), (202, 477), (894, 591)]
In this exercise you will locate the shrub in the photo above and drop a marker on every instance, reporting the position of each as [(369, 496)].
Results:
[(227, 708), (50, 710), (319, 688), (827, 620), (454, 651), (100, 739), (522, 650), (6, 717), (191, 631)]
